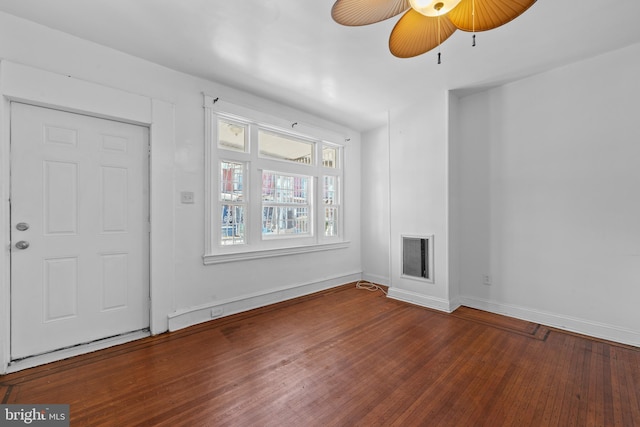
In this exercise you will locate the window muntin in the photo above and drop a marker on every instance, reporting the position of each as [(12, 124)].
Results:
[(232, 203), (286, 204), (232, 135), (284, 147)]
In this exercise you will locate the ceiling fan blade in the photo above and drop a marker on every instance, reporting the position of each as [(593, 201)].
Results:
[(489, 14), (364, 12), (415, 34)]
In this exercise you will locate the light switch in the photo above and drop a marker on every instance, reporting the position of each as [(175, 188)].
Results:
[(186, 196)]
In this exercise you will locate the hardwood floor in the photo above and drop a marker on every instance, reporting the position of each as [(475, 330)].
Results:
[(346, 357)]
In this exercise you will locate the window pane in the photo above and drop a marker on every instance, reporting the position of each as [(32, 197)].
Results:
[(232, 230), (283, 147), (330, 197), (277, 220), (330, 190), (285, 204), (231, 186), (286, 189), (232, 225), (232, 136), (330, 222), (329, 157)]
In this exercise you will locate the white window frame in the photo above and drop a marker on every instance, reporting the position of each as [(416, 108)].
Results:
[(255, 244)]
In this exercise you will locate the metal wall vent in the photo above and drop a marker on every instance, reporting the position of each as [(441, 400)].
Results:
[(417, 257)]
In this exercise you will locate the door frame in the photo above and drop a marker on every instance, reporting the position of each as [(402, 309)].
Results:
[(47, 89)]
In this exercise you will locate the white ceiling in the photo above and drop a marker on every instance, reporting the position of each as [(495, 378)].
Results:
[(292, 51)]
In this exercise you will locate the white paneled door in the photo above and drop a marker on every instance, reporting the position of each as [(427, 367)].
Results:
[(79, 229)]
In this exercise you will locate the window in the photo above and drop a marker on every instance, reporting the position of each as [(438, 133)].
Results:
[(271, 189), (232, 203), (286, 204), (284, 147), (329, 157), (331, 205), (232, 136)]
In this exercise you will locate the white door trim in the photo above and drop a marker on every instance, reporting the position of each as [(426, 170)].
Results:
[(43, 88)]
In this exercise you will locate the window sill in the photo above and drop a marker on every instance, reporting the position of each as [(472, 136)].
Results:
[(211, 259)]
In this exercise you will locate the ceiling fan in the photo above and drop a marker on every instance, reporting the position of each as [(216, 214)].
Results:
[(428, 23)]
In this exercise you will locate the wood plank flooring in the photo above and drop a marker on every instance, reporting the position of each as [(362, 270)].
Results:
[(346, 357)]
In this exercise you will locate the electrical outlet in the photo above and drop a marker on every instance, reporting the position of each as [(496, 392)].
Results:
[(486, 279), (216, 312)]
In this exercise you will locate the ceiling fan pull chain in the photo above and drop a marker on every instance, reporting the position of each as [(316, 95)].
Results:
[(439, 62), (473, 20)]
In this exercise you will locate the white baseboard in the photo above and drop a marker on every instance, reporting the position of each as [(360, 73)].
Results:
[(423, 300), (374, 278), (193, 315), (66, 353), (567, 323)]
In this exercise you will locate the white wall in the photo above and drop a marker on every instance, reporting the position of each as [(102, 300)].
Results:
[(375, 206), (453, 195), (549, 205), (419, 184), (238, 285), (533, 184)]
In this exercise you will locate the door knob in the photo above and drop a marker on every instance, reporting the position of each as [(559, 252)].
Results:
[(22, 226), (22, 244)]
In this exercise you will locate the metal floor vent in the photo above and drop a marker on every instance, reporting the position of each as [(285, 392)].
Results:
[(417, 257)]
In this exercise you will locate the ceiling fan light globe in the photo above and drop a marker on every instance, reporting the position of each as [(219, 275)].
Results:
[(433, 7)]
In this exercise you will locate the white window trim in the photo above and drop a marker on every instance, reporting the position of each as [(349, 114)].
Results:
[(255, 247), (271, 253)]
